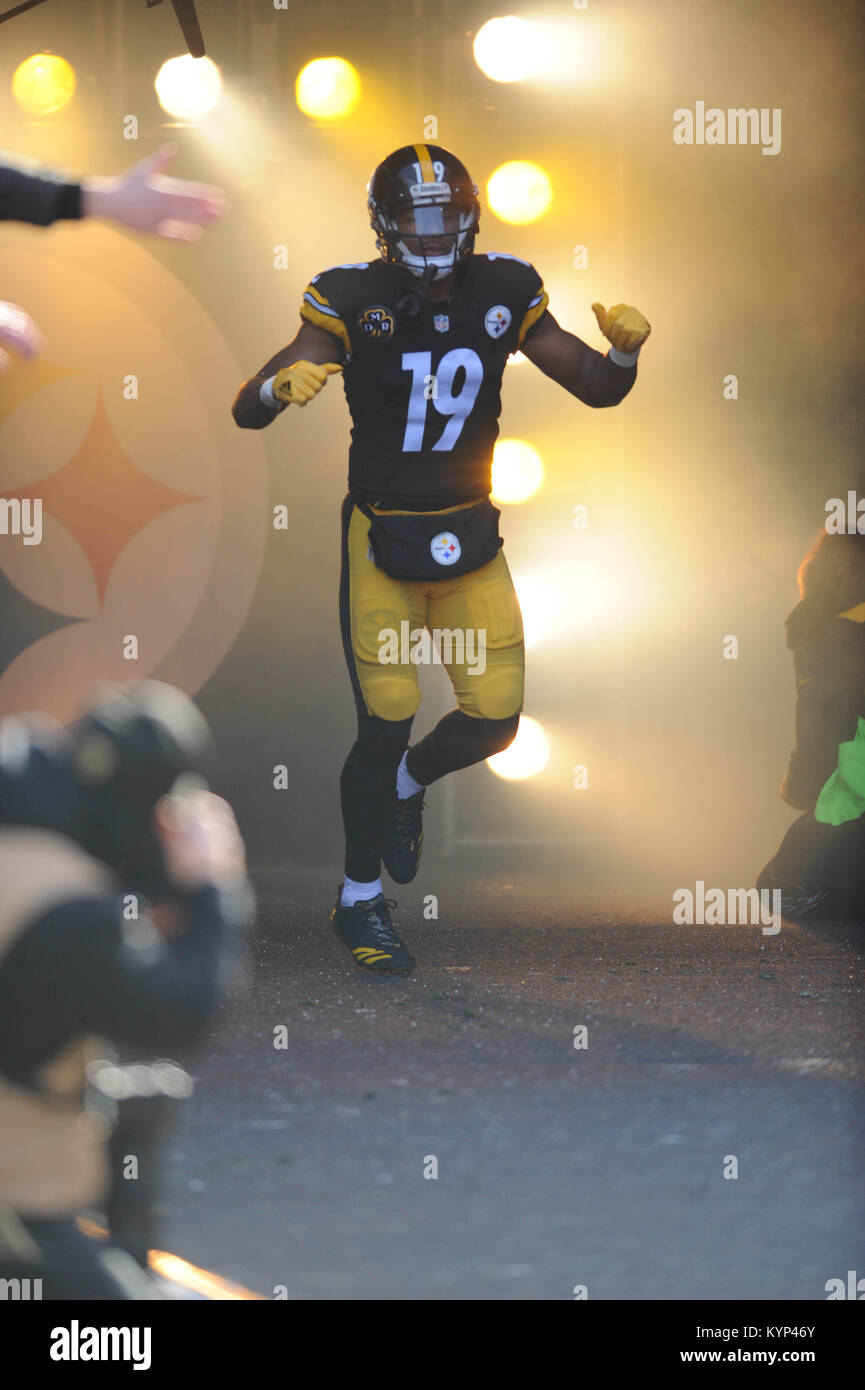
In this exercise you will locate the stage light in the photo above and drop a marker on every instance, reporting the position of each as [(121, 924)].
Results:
[(527, 755), (327, 88), (43, 84), (519, 191), (517, 471), (188, 88), (539, 602), (507, 49), (591, 583)]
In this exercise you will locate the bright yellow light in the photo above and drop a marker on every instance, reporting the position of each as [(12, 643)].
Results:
[(573, 55), (540, 604), (519, 191), (527, 755), (327, 88), (592, 583), (213, 1286), (517, 471), (507, 49), (43, 84), (188, 87)]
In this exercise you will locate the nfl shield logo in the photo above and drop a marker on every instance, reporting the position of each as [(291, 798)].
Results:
[(441, 323)]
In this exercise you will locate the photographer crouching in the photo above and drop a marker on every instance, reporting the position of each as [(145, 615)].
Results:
[(124, 909)]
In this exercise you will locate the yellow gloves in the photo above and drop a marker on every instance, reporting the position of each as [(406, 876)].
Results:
[(623, 326), (297, 384)]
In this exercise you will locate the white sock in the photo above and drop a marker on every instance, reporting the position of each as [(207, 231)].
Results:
[(405, 783), (357, 892)]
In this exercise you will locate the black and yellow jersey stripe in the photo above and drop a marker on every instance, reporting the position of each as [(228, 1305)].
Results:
[(316, 309), (537, 307)]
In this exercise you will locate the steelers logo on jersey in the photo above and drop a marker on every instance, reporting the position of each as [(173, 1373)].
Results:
[(376, 322), (498, 320)]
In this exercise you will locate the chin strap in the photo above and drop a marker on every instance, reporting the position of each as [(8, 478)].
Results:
[(411, 302)]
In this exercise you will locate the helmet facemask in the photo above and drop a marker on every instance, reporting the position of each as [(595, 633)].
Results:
[(426, 235)]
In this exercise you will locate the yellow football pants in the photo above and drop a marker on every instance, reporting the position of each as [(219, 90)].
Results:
[(483, 603)]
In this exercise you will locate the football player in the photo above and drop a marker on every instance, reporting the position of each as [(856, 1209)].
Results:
[(422, 336)]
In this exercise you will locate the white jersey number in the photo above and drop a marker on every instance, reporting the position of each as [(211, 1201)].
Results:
[(438, 386)]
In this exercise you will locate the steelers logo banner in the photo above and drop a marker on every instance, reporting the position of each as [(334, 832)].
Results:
[(153, 504)]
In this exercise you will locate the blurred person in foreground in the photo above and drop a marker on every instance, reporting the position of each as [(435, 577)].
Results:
[(124, 906), (820, 864)]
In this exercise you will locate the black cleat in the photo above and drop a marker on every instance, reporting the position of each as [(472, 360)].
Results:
[(403, 838), (369, 934)]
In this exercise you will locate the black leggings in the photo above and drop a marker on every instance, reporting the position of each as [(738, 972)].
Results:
[(368, 781)]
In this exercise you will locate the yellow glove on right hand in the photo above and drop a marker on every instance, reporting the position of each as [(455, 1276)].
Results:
[(297, 384)]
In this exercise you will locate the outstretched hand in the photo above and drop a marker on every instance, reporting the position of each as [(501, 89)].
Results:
[(145, 200)]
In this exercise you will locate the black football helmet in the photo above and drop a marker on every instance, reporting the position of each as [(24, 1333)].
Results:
[(424, 210)]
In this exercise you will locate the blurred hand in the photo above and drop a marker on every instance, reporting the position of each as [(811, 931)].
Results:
[(144, 200), (18, 332), (297, 384), (624, 327), (200, 840)]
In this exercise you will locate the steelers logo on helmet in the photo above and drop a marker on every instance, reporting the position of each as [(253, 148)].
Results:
[(376, 322), (445, 548), (424, 210)]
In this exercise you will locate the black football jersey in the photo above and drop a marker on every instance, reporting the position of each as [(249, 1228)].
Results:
[(423, 378)]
